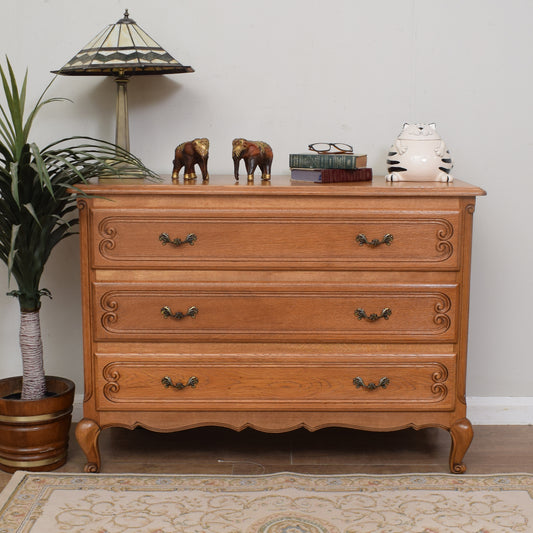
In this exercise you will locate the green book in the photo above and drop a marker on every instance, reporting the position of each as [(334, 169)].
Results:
[(349, 161)]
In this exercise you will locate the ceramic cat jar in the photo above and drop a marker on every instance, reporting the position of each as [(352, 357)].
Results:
[(419, 154)]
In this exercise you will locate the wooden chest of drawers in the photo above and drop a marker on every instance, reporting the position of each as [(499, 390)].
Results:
[(276, 306)]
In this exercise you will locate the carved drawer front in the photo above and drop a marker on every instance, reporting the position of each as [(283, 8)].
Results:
[(273, 312), (278, 240), (426, 383)]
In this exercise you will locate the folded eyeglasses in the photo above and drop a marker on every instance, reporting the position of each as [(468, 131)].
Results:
[(331, 148)]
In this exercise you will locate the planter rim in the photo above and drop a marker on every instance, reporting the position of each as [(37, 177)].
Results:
[(62, 389)]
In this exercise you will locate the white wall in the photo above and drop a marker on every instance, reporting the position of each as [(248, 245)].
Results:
[(293, 72)]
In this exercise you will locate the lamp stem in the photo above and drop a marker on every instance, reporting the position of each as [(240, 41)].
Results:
[(122, 134)]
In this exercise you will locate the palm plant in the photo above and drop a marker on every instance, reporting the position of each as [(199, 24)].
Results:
[(38, 208)]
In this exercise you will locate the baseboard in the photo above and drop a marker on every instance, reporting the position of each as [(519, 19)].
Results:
[(77, 408), (500, 410), (481, 411)]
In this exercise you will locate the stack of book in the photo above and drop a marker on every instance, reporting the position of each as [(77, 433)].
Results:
[(329, 168)]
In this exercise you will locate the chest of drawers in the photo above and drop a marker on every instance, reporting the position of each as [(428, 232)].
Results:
[(275, 306)]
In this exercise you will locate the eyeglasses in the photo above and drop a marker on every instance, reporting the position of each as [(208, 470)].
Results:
[(331, 148)]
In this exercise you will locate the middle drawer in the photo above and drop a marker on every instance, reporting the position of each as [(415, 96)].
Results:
[(300, 312)]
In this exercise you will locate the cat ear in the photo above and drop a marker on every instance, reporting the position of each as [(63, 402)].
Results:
[(433, 126), (406, 124)]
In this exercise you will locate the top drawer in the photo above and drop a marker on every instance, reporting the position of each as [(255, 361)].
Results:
[(274, 240)]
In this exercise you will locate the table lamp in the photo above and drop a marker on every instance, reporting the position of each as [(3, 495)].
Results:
[(122, 50)]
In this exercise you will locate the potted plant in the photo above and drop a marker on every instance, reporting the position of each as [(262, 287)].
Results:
[(37, 211)]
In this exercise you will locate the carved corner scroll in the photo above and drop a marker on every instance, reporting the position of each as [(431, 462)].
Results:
[(444, 235), (439, 387), (442, 308), (110, 306), (112, 376), (109, 234)]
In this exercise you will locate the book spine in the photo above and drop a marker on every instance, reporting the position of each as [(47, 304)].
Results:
[(348, 161), (341, 175)]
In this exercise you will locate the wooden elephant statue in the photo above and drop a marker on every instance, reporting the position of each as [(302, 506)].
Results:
[(187, 155), (255, 154)]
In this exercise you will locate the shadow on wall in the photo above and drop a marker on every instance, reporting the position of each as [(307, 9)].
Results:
[(149, 91)]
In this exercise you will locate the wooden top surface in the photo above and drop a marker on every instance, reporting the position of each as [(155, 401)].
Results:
[(281, 185)]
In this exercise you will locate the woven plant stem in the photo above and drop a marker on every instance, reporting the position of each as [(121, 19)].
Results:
[(31, 347)]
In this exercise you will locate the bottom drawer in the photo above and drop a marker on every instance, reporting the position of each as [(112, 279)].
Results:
[(424, 382)]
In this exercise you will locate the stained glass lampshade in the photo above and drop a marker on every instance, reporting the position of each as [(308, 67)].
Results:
[(122, 50)]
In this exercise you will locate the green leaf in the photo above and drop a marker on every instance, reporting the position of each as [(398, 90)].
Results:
[(6, 130), (12, 250), (7, 90), (42, 171), (13, 171), (16, 108), (45, 292), (32, 212)]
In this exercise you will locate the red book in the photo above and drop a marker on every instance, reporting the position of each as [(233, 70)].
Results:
[(338, 175), (331, 175)]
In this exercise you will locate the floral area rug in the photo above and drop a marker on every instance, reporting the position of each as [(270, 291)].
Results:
[(276, 503)]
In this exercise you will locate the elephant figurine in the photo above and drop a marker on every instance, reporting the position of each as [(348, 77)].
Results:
[(254, 153), (187, 155)]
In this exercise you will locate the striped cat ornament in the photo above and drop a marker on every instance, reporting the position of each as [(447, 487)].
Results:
[(419, 154)]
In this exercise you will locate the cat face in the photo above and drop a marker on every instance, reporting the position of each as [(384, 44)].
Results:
[(419, 131)]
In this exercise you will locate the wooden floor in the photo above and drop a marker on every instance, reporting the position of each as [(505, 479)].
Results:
[(495, 449)]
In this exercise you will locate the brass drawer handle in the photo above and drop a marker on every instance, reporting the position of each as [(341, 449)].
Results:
[(167, 312), (361, 239), (191, 382), (165, 239), (360, 314), (383, 382)]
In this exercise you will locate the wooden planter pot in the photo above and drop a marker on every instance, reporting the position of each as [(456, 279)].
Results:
[(34, 434)]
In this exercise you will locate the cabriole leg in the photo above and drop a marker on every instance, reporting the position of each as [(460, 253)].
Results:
[(462, 434), (87, 433)]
